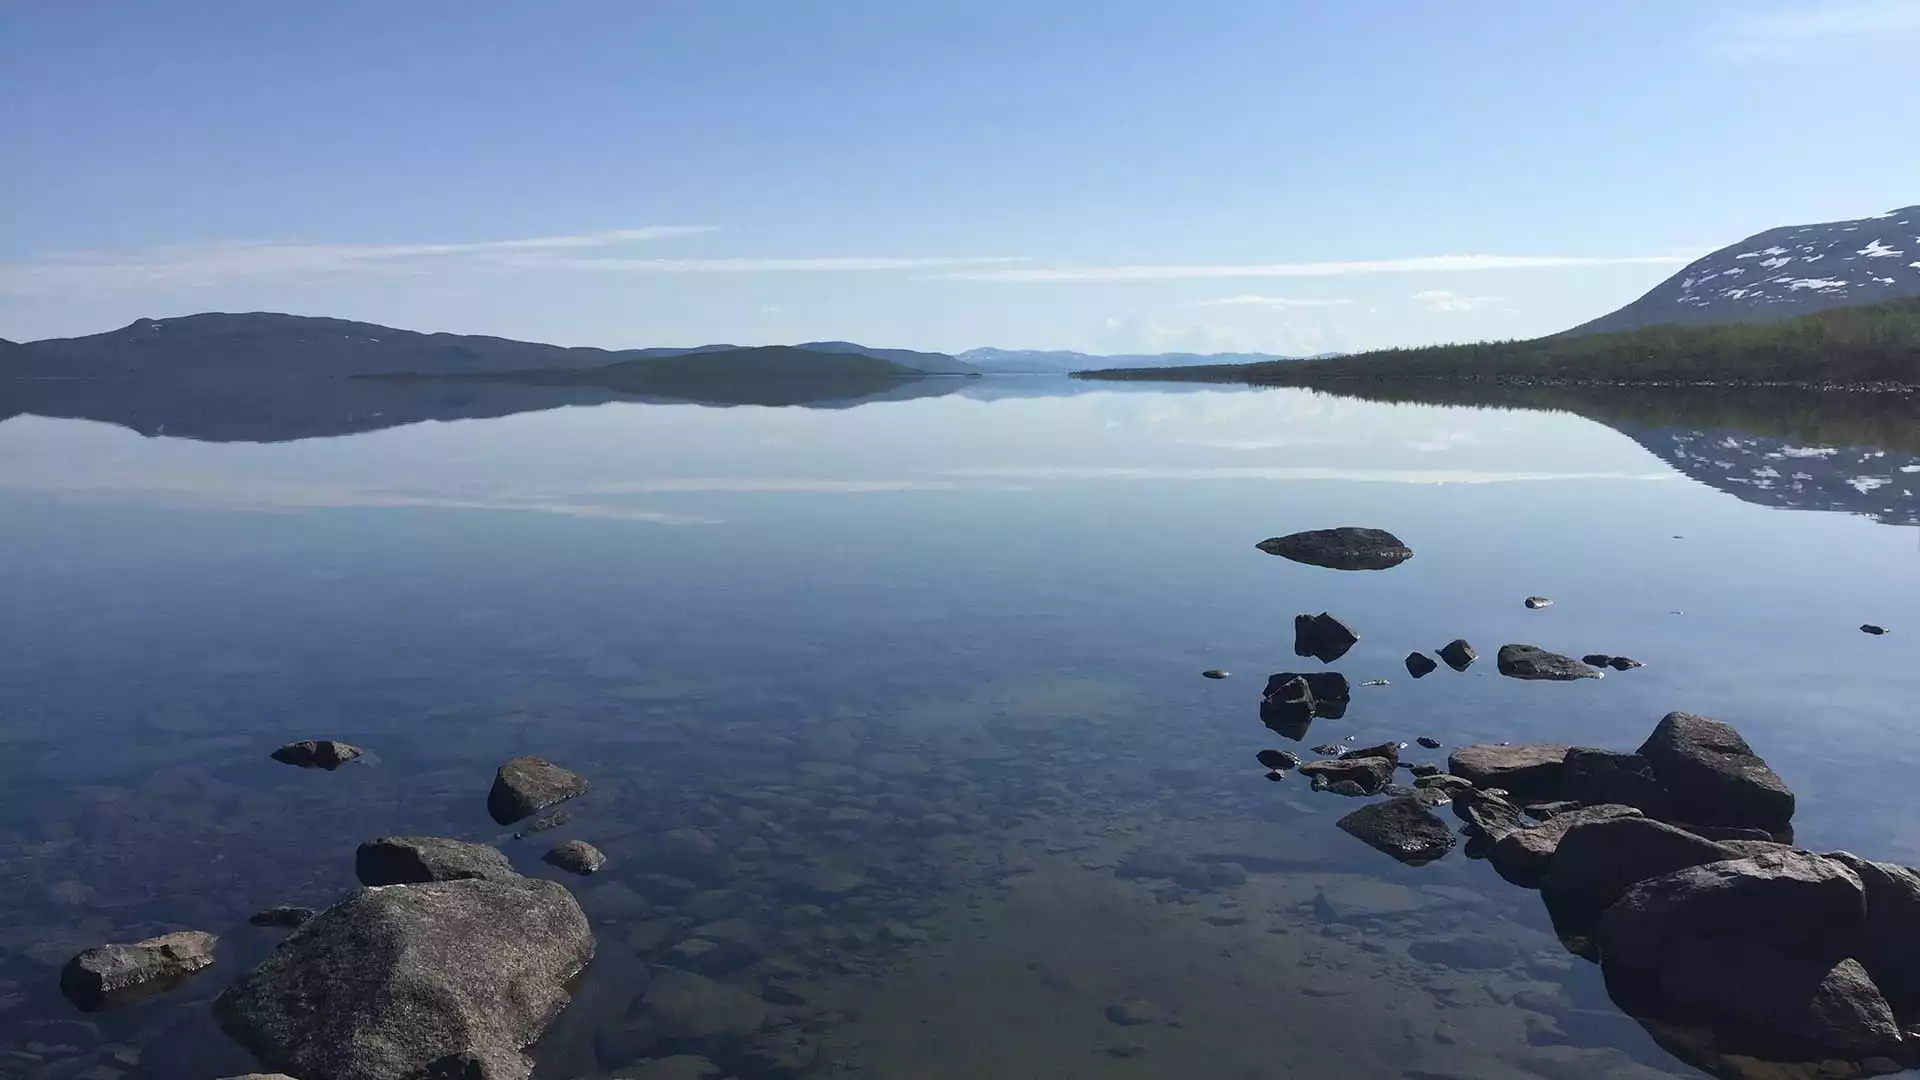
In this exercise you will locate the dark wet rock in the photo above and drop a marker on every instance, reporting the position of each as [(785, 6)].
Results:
[(1422, 770), (1491, 815), (525, 786), (1598, 861), (1550, 808), (1595, 776), (1819, 1003), (411, 860), (1346, 548), (778, 1055), (575, 857), (690, 1010), (1624, 663), (1596, 659), (1134, 1013), (1213, 673), (1288, 707), (1326, 687), (1429, 742), (392, 979), (544, 823), (1524, 855), (1420, 665), (285, 918), (1528, 770), (1446, 782), (1892, 949), (1322, 637), (1869, 628), (1276, 774), (1401, 827), (1714, 776), (1388, 750), (1330, 749), (1466, 952), (1458, 654), (1534, 663), (109, 975), (1535, 603), (1278, 759), (317, 753), (1814, 905), (1350, 788), (1369, 774)]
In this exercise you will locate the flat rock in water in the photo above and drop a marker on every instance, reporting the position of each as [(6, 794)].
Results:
[(1322, 637), (285, 918), (1429, 742), (1869, 628), (1213, 673), (1535, 603), (1346, 548), (1458, 654), (1420, 665), (317, 753), (1714, 776), (1599, 860), (1369, 774), (1528, 770), (1534, 663), (1278, 759), (109, 975), (1402, 827), (1388, 750), (525, 786), (1624, 663), (575, 856), (1326, 687), (412, 860), (393, 980), (1525, 855)]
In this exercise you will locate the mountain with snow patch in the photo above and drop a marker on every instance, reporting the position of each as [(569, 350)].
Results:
[(1783, 273)]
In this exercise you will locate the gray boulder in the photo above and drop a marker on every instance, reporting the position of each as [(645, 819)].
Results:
[(413, 860), (1370, 774), (525, 786), (1594, 777), (1813, 904), (393, 981), (1402, 827), (1529, 770), (576, 857), (1714, 776), (1535, 663), (1597, 861), (108, 975), (1346, 548), (1523, 856)]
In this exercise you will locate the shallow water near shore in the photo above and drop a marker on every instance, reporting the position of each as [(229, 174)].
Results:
[(908, 694)]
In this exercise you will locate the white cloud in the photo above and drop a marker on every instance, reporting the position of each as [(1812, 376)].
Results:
[(1347, 268), (1783, 30), (1445, 300), (1247, 300)]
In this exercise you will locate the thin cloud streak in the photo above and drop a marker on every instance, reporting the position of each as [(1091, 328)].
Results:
[(1271, 302), (1425, 264)]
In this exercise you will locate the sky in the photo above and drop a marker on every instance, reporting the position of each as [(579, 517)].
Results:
[(1099, 175)]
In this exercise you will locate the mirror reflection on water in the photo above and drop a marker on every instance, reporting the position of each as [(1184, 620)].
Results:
[(892, 709)]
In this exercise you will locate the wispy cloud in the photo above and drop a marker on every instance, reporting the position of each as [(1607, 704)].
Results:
[(1445, 300), (1762, 31), (1251, 301), (1338, 268), (212, 263)]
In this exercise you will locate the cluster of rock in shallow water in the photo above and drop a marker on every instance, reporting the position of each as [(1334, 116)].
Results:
[(1672, 866)]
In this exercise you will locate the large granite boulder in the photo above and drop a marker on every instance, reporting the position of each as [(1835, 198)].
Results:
[(1402, 827), (108, 975), (1346, 548), (413, 860), (1528, 770), (396, 980), (1715, 778), (525, 786), (1593, 777), (1597, 861), (1535, 663), (1523, 856)]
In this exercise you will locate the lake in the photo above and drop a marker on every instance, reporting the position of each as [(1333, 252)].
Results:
[(907, 693)]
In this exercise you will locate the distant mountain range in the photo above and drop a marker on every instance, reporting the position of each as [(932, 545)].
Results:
[(1783, 273), (1059, 361)]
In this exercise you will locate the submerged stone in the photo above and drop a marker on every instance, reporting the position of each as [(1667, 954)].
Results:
[(1402, 827), (317, 754), (110, 975)]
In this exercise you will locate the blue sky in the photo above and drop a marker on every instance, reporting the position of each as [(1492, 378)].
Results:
[(1122, 175)]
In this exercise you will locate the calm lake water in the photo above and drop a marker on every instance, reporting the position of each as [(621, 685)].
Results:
[(908, 689)]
